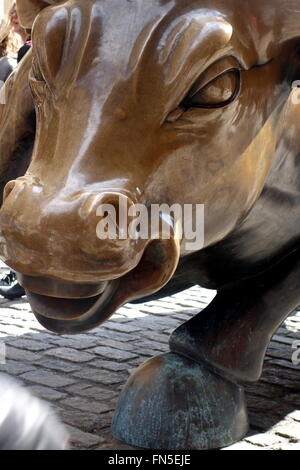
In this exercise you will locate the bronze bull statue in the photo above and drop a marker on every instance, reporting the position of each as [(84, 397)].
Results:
[(151, 102)]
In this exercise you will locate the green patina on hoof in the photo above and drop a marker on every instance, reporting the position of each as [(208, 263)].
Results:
[(170, 402)]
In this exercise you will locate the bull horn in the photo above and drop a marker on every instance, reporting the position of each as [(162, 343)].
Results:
[(29, 9)]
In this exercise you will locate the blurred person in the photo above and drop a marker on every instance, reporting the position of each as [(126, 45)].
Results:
[(12, 37), (23, 33), (26, 422), (15, 41)]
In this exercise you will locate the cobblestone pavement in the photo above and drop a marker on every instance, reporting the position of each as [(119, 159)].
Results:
[(81, 376)]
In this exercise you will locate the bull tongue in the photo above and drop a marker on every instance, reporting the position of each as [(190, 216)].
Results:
[(60, 289)]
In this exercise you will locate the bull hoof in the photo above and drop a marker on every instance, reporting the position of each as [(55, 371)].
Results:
[(171, 403)]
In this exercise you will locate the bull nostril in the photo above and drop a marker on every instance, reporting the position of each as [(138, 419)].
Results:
[(94, 202), (118, 205), (88, 206), (106, 211), (9, 187)]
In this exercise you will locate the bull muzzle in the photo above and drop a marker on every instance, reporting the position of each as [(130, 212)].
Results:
[(74, 276)]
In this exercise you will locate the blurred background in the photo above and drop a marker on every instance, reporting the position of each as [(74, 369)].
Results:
[(4, 7)]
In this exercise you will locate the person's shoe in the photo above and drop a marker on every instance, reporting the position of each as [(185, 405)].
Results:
[(7, 280), (12, 292)]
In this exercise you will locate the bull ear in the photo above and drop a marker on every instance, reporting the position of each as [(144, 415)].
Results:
[(29, 9)]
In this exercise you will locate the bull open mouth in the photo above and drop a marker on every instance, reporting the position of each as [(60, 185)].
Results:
[(71, 316), (68, 308)]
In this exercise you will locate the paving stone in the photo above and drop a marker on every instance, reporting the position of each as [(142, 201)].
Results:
[(159, 347), (288, 428), (135, 363), (112, 353), (46, 393), (99, 376), (41, 337), (282, 339), (125, 327), (130, 313), (121, 317), (287, 447), (47, 378), (280, 352), (144, 352), (87, 422), (169, 323), (116, 344), (20, 355), (70, 354), (20, 305), (91, 391), (109, 365), (285, 377), (113, 444), (261, 403), (264, 439), (182, 317), (242, 446), (262, 422), (157, 306), (83, 404), (76, 342), (59, 365), (284, 363), (123, 337), (292, 399), (168, 331), (7, 313), (189, 303), (264, 389), (152, 324), (29, 345), (83, 440), (294, 415), (156, 337), (13, 330), (16, 368), (152, 312), (291, 334)]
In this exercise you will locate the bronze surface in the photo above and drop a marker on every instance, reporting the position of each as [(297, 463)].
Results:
[(157, 101)]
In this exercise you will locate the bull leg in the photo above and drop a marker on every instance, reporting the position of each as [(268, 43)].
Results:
[(190, 398), (232, 334)]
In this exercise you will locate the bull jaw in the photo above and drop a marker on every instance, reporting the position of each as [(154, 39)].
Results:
[(71, 316), (74, 316)]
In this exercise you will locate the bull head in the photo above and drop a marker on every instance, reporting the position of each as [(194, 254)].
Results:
[(146, 102)]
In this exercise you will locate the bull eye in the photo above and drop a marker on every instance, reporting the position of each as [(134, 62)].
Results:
[(217, 93)]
